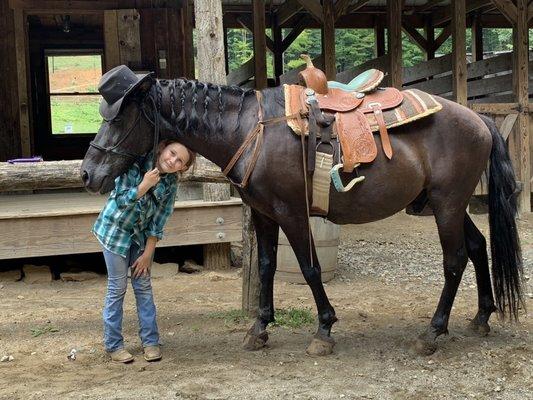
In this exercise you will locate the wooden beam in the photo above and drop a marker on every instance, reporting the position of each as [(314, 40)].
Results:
[(444, 35), (287, 10), (52, 6), (414, 35), (530, 11), (341, 6), (520, 141), (295, 32), (459, 51), (429, 28), (241, 74), (314, 8), (379, 38), (495, 108), (471, 5), (328, 39), (424, 7), (21, 51), (357, 6), (260, 70), (477, 38), (278, 48), (188, 47), (394, 25), (246, 22), (508, 9)]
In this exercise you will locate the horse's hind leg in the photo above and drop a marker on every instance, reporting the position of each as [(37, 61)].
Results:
[(267, 243), (476, 247), (450, 225)]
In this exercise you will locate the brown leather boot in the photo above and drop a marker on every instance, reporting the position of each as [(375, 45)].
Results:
[(152, 353), (121, 356)]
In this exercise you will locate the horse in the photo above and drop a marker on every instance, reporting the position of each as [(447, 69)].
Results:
[(437, 162)]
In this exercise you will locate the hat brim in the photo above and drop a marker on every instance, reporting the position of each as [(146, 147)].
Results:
[(110, 111)]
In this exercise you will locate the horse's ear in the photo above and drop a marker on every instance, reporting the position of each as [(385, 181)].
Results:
[(146, 85)]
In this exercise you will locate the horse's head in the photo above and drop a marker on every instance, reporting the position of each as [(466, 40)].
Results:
[(119, 142)]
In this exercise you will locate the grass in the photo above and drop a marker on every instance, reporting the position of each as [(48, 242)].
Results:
[(291, 317), (80, 112), (41, 330), (57, 63)]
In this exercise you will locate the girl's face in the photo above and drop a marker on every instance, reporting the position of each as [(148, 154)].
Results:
[(173, 158)]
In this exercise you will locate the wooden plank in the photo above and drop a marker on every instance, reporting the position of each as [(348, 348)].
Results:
[(277, 35), (429, 29), (129, 38), (487, 86), (379, 38), (477, 38), (360, 4), (191, 223), (313, 7), (111, 41), (508, 124), (188, 45), (241, 74), (328, 39), (21, 51), (489, 66), (509, 10), (495, 108), (459, 51), (521, 148), (427, 69), (435, 86), (381, 63), (394, 25), (260, 67), (440, 18)]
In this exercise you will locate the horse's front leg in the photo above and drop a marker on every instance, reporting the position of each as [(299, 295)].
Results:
[(267, 232), (297, 231)]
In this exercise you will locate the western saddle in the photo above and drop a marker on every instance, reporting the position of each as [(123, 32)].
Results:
[(340, 108)]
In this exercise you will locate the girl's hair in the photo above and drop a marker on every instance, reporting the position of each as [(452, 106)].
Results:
[(192, 155)]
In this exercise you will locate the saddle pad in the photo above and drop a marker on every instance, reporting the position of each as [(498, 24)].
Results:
[(416, 104), (357, 141)]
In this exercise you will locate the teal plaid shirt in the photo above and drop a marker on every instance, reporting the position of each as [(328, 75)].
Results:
[(125, 219)]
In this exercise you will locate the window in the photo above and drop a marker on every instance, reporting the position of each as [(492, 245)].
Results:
[(73, 92)]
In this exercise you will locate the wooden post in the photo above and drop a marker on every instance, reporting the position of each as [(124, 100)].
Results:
[(379, 38), (278, 48), (430, 38), (250, 267), (21, 50), (522, 146), (328, 39), (188, 47), (211, 68), (459, 51), (260, 67), (477, 38), (394, 24)]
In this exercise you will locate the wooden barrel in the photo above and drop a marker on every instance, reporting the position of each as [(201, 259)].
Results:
[(326, 237)]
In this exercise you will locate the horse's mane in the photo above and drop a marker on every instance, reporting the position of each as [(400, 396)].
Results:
[(184, 119)]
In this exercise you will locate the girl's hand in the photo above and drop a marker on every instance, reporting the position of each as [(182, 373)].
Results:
[(151, 178), (141, 266)]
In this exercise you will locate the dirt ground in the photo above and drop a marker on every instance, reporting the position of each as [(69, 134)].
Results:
[(385, 291)]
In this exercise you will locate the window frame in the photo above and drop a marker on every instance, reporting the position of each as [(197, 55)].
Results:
[(67, 52)]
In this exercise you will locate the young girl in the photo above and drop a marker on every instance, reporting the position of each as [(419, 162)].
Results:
[(128, 229)]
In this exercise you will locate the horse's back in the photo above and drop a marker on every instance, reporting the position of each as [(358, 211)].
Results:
[(445, 151)]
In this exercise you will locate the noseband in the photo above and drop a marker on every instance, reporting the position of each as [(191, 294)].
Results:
[(115, 149)]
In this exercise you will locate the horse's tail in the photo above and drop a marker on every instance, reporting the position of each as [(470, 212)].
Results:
[(504, 241)]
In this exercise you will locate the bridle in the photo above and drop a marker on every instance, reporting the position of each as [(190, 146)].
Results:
[(141, 110)]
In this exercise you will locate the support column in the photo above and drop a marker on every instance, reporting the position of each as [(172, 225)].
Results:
[(379, 38), (394, 24), (459, 51), (328, 39), (477, 38), (521, 141), (430, 38), (260, 67), (211, 68), (278, 48), (21, 50)]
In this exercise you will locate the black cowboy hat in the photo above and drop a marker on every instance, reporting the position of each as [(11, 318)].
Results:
[(114, 86)]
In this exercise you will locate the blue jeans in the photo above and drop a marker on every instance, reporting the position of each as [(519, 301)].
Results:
[(117, 276)]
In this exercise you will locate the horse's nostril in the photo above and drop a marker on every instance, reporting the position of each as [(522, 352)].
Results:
[(85, 177)]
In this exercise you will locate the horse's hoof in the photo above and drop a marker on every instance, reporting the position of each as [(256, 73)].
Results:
[(424, 348), (478, 328), (320, 347), (254, 342)]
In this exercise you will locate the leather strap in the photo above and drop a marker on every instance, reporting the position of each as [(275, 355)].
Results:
[(385, 141)]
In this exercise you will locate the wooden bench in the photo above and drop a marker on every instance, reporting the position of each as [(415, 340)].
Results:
[(60, 223)]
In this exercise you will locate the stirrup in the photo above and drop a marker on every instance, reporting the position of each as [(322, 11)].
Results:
[(337, 182)]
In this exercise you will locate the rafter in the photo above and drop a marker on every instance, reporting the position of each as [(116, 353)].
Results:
[(508, 9), (357, 6), (287, 10), (424, 7), (472, 5), (314, 8), (341, 6), (295, 32), (444, 35)]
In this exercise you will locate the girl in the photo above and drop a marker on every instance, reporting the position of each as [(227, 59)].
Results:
[(128, 229)]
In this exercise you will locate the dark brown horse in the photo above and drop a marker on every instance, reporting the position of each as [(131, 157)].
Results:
[(437, 161)]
